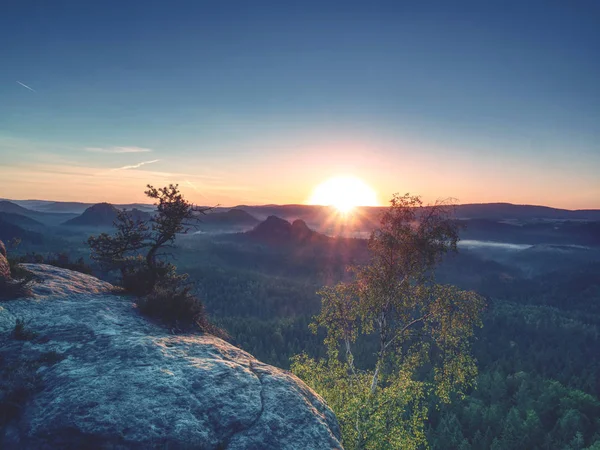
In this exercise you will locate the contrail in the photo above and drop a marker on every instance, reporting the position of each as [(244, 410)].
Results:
[(135, 166), (193, 186), (26, 87), (117, 149)]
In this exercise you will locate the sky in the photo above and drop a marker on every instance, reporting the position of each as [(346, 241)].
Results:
[(256, 102)]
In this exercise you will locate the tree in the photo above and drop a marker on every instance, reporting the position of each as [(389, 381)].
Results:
[(422, 330), (124, 251), (137, 251)]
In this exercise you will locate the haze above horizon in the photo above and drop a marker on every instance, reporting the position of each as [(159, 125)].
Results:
[(262, 102)]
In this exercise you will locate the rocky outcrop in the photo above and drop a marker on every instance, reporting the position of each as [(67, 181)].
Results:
[(300, 230), (120, 381), (279, 231), (4, 267)]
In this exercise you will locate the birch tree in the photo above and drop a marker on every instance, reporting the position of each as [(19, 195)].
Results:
[(422, 331)]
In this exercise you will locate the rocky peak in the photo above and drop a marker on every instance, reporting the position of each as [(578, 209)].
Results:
[(116, 380), (300, 230), (273, 228)]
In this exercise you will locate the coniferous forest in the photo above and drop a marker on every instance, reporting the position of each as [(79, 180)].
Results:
[(538, 382)]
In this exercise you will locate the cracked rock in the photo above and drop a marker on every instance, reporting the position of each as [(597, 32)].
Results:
[(123, 382)]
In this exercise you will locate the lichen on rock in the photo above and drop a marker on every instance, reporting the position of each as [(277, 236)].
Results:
[(125, 382)]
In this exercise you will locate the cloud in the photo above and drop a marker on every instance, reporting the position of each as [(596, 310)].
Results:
[(117, 149), (135, 166), (26, 87)]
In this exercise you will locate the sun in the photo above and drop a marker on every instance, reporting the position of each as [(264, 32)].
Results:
[(344, 193)]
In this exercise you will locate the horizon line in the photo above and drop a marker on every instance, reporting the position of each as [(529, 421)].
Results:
[(258, 205)]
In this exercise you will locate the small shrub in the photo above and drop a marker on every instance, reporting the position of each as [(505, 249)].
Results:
[(179, 308), (21, 333), (63, 261), (137, 279)]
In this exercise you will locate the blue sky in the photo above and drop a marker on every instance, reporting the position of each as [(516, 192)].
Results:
[(258, 102)]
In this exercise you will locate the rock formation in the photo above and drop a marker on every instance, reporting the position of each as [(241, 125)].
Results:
[(4, 267), (109, 378)]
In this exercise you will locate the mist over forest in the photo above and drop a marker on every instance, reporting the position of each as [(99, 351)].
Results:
[(258, 269)]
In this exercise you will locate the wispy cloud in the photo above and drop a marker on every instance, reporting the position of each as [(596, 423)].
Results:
[(118, 149), (26, 87), (135, 166), (192, 185)]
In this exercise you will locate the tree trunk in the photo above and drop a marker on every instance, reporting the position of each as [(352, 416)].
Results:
[(349, 356), (151, 263), (380, 357)]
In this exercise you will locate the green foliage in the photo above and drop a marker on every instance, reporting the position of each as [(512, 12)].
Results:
[(134, 248), (163, 293), (265, 297), (392, 418), (173, 302), (423, 332), (532, 413)]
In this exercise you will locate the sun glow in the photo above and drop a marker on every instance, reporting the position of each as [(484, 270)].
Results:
[(344, 194)]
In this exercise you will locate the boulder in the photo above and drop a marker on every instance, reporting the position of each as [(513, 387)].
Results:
[(117, 380), (4, 267)]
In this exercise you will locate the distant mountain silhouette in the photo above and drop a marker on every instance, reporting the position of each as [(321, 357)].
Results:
[(280, 231), (366, 217), (505, 211), (102, 215), (47, 218), (13, 208), (233, 217), (61, 207), (20, 220), (10, 231)]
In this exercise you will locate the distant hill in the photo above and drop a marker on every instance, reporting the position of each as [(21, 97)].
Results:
[(10, 231), (61, 207), (46, 218), (233, 217), (533, 232), (47, 206), (365, 217), (102, 215), (13, 208), (362, 218), (20, 220), (280, 231), (504, 211)]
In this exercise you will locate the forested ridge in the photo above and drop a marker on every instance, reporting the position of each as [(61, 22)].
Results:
[(537, 353)]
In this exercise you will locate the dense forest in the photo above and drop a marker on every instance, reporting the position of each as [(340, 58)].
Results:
[(537, 352)]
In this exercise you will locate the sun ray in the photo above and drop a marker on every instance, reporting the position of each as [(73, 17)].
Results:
[(344, 193)]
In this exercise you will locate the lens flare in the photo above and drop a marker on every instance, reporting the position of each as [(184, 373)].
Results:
[(344, 193)]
